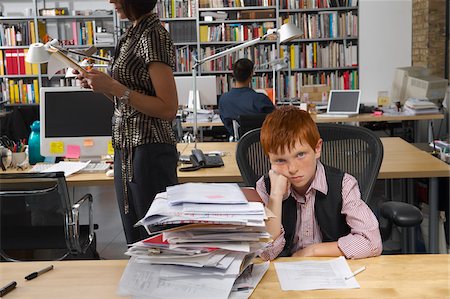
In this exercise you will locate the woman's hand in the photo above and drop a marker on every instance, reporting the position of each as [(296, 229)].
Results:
[(96, 80)]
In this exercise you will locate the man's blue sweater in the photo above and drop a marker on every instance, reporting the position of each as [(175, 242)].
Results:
[(242, 101)]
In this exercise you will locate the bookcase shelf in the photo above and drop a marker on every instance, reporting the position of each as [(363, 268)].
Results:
[(20, 81), (326, 54)]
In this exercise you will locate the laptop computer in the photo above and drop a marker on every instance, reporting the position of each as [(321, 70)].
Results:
[(342, 103)]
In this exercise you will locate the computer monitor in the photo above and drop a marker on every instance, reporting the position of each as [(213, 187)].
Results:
[(427, 87), (75, 121), (400, 82), (206, 86), (344, 102)]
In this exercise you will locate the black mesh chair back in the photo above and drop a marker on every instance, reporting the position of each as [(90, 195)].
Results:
[(250, 122), (38, 221), (355, 150)]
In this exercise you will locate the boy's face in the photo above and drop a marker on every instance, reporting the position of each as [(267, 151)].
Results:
[(297, 164)]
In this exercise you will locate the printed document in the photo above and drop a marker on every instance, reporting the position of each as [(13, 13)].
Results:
[(315, 275)]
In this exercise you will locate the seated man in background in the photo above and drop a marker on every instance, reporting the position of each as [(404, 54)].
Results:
[(242, 100)]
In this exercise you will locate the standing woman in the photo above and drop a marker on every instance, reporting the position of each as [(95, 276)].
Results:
[(143, 89)]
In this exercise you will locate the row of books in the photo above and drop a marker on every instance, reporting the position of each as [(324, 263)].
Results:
[(84, 32), (182, 31), (328, 24), (234, 3), (259, 54), (20, 91), (17, 33), (176, 8), (234, 32), (318, 55), (335, 80), (12, 62), (313, 4)]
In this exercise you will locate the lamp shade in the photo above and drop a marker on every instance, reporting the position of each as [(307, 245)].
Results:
[(37, 53), (288, 32)]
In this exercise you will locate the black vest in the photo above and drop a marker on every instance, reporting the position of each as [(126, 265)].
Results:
[(327, 210)]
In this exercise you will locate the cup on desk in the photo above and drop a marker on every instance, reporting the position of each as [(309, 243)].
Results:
[(18, 158)]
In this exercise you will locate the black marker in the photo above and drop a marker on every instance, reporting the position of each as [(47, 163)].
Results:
[(40, 272), (7, 288)]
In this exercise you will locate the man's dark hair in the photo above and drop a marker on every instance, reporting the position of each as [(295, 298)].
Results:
[(134, 9), (243, 69)]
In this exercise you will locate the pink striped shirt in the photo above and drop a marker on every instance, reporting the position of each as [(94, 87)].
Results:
[(364, 239)]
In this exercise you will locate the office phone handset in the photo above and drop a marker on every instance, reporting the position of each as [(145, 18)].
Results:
[(200, 160)]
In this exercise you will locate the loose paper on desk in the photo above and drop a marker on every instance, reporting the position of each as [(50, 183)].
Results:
[(315, 275), (205, 193), (67, 167)]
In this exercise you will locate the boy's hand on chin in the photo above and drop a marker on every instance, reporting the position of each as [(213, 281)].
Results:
[(279, 184)]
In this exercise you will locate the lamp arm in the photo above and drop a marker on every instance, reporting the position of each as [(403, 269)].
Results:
[(235, 48), (96, 57)]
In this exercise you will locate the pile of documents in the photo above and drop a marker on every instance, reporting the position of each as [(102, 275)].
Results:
[(203, 238), (420, 106)]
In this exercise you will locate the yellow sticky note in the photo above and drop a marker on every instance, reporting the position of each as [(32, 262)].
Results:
[(57, 147), (110, 148)]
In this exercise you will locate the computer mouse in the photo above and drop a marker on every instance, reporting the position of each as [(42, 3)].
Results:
[(110, 173)]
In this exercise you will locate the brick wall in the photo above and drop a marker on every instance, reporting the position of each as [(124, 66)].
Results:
[(428, 40)]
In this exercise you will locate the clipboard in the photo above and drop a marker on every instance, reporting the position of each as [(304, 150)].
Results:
[(62, 61)]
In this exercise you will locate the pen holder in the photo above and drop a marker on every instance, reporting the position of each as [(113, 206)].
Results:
[(18, 158)]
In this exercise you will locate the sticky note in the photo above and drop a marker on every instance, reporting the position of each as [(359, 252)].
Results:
[(57, 147), (73, 151), (88, 142), (110, 148)]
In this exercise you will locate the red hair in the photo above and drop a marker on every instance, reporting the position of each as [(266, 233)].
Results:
[(286, 126)]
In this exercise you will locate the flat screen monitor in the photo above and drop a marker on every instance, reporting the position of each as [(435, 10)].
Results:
[(343, 102), (206, 86), (75, 121)]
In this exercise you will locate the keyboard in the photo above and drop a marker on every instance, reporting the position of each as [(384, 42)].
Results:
[(326, 115), (92, 167), (96, 167)]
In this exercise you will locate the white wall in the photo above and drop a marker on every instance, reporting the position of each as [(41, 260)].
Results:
[(385, 42)]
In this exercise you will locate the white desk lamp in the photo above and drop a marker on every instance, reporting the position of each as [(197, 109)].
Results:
[(286, 33), (56, 57)]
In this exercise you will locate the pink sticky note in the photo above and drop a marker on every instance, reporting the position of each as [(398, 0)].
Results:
[(73, 151)]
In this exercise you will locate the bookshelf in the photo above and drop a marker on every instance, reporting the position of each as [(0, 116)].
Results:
[(326, 54), (76, 27)]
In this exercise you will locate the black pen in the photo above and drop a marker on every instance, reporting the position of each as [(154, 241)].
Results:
[(7, 288), (40, 272)]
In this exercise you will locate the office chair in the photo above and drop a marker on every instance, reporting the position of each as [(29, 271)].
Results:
[(38, 220), (355, 150), (247, 122)]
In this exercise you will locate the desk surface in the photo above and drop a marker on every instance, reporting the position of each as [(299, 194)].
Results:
[(389, 276), (401, 160), (364, 117)]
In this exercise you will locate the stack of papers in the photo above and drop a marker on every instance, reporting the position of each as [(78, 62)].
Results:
[(419, 106), (203, 238)]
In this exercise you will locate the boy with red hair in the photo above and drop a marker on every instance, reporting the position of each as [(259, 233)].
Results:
[(319, 210)]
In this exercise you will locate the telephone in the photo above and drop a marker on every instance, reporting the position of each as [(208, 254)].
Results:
[(200, 160)]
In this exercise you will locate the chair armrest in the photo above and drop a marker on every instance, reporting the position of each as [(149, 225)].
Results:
[(401, 214), (74, 225)]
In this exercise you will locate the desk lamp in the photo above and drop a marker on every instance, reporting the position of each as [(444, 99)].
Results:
[(56, 57), (286, 33)]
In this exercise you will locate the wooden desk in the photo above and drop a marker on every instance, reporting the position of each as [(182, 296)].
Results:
[(364, 117), (401, 160), (389, 276), (369, 117)]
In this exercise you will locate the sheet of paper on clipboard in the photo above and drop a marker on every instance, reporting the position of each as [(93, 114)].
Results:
[(59, 60)]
